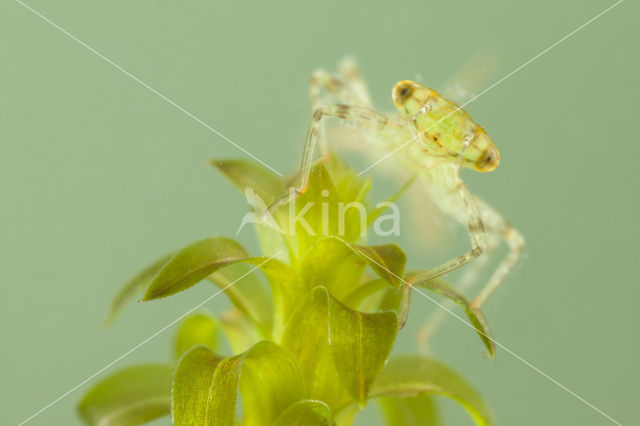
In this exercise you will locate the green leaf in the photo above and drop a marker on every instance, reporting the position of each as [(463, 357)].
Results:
[(339, 349), (246, 291), (349, 185), (205, 386), (220, 260), (271, 381), (240, 331), (286, 287), (306, 413), (376, 296), (306, 337), (391, 300), (265, 187), (409, 411), (196, 329), (350, 189), (413, 375), (193, 379), (478, 321), (317, 209), (246, 173), (334, 203), (192, 264), (132, 396), (360, 345), (365, 291), (333, 263), (134, 287), (347, 415), (338, 265), (251, 298), (387, 261)]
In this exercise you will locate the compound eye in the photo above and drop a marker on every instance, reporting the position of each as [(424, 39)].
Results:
[(489, 160), (402, 91)]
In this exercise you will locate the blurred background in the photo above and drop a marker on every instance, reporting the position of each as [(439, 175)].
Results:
[(99, 176)]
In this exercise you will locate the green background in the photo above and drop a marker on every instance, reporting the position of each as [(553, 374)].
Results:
[(99, 176)]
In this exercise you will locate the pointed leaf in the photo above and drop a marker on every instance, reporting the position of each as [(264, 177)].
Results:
[(351, 189), (390, 300), (271, 381), (247, 291), (132, 396), (333, 263), (253, 300), (286, 287), (347, 415), (306, 413), (413, 375), (251, 177), (306, 337), (347, 264), (246, 173), (205, 386), (360, 345), (134, 287), (376, 296), (196, 329), (365, 291), (317, 209), (240, 331), (218, 259), (192, 381), (267, 224), (192, 264), (349, 185), (476, 318), (333, 204), (409, 411), (387, 261)]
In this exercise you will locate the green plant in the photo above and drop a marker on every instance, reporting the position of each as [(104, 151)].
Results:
[(310, 335)]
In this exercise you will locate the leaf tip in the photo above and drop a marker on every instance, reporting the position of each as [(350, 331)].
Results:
[(111, 315), (491, 353), (221, 165), (148, 295)]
